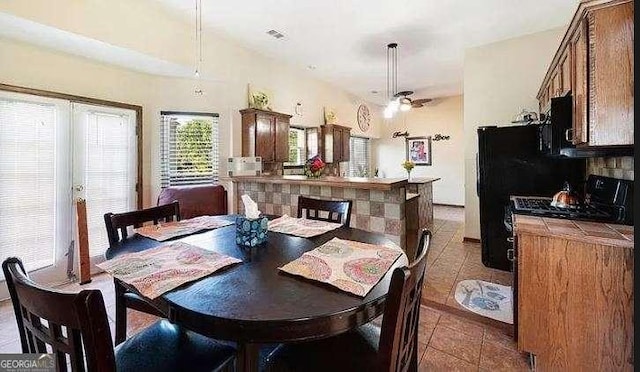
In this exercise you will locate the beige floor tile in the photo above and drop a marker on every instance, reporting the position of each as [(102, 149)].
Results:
[(436, 361), (456, 343)]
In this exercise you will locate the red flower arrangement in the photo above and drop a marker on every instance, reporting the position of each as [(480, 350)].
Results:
[(314, 166)]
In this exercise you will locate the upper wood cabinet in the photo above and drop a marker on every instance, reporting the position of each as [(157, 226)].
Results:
[(610, 79), (334, 143), (595, 63), (580, 99), (265, 134)]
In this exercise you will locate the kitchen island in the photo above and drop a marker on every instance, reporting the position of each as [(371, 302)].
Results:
[(380, 205)]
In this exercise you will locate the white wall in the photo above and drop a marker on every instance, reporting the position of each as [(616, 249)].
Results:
[(500, 79), (143, 26), (444, 116)]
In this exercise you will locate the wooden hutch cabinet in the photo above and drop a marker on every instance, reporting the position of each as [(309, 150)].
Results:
[(334, 143), (265, 134), (595, 64)]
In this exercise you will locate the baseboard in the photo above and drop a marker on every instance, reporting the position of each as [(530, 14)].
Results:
[(449, 205), (471, 240)]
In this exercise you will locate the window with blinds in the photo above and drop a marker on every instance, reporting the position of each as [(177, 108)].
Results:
[(189, 148), (28, 192), (359, 157), (296, 146)]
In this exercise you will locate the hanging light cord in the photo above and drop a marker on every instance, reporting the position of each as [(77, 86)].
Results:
[(198, 36)]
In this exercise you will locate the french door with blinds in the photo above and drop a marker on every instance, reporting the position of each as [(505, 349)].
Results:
[(53, 151)]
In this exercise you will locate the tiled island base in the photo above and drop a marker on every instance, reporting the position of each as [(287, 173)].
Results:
[(381, 211)]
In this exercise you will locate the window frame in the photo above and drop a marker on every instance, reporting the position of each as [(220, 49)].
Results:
[(216, 119), (352, 157), (288, 165)]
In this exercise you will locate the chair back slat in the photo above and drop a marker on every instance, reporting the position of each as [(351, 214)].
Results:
[(115, 222), (399, 337), (337, 211), (59, 323)]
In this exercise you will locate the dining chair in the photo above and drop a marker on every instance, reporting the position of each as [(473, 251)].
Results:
[(74, 328), (198, 200), (117, 225), (391, 347), (337, 211)]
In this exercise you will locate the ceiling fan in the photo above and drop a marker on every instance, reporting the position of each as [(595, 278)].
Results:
[(404, 98), (397, 100)]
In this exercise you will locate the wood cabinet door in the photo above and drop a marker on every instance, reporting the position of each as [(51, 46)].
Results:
[(565, 71), (337, 145), (346, 144), (611, 85), (556, 84), (580, 85), (265, 127), (281, 137)]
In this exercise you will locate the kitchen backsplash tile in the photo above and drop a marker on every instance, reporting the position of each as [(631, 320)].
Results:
[(616, 167)]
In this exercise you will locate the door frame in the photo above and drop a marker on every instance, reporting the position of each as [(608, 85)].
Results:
[(92, 101), (97, 102)]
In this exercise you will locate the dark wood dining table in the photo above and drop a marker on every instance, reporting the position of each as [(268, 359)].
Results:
[(253, 303)]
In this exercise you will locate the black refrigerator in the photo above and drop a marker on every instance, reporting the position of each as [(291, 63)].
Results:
[(509, 162)]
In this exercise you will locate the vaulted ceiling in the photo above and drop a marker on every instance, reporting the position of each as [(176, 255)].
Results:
[(344, 42)]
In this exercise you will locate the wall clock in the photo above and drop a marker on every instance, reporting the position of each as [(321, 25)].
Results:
[(364, 117)]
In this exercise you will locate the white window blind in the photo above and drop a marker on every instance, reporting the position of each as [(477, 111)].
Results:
[(28, 182), (189, 149), (359, 157), (107, 156)]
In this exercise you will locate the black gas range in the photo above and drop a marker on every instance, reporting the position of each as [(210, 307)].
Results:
[(606, 200)]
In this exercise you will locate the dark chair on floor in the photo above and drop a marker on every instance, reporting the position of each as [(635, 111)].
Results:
[(196, 201), (74, 327), (338, 211), (393, 347), (117, 229)]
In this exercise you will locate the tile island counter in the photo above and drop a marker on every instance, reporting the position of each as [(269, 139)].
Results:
[(382, 205)]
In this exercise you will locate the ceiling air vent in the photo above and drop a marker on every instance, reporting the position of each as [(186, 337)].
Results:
[(275, 34)]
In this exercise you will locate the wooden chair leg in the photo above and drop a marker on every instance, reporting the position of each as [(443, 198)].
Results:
[(121, 312)]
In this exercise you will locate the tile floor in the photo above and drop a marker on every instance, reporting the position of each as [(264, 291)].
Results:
[(452, 260), (447, 342)]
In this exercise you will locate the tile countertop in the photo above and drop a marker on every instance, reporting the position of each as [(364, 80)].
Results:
[(347, 182), (583, 231)]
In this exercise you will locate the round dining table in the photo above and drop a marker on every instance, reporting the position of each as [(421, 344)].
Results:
[(253, 303)]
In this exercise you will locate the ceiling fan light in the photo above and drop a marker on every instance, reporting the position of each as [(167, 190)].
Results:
[(405, 104), (394, 105), (388, 112)]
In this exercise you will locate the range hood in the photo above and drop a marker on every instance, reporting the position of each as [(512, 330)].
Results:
[(597, 152)]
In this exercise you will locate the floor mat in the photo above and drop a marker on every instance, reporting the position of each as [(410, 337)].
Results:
[(486, 299)]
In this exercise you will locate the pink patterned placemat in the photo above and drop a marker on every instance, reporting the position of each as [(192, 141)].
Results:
[(159, 270), (301, 227), (353, 267), (173, 229)]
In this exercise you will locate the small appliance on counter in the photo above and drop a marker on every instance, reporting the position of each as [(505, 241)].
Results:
[(606, 199), (244, 166)]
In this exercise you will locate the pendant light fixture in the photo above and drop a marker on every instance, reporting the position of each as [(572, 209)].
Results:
[(392, 81), (198, 37), (198, 47)]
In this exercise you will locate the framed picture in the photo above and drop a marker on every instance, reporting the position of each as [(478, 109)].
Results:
[(419, 150)]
